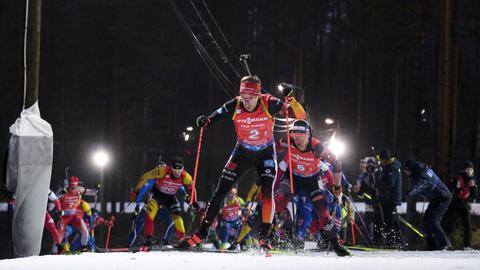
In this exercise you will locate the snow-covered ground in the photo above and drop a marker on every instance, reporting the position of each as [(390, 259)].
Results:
[(176, 260)]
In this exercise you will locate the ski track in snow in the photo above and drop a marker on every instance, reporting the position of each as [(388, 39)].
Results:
[(177, 260)]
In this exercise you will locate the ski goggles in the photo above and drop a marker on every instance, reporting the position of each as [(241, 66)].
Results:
[(296, 131)]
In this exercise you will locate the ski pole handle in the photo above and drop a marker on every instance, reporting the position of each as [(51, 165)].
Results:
[(192, 195)]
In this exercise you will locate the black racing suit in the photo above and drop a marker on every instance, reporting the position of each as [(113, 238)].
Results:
[(242, 158)]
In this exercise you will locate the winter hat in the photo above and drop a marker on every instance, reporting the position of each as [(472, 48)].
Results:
[(410, 165), (468, 164), (385, 154), (177, 163), (300, 126)]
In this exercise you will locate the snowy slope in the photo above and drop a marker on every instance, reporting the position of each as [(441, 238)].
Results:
[(175, 260)]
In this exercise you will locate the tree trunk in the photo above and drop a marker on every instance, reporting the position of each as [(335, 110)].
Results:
[(446, 93), (418, 91)]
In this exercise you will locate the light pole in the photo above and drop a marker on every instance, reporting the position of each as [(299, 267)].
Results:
[(101, 159)]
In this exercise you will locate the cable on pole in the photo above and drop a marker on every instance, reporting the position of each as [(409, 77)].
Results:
[(214, 41), (221, 78)]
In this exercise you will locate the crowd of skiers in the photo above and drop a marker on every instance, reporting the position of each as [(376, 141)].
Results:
[(301, 192)]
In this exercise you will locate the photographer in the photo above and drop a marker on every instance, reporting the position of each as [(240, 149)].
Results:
[(366, 188), (390, 195)]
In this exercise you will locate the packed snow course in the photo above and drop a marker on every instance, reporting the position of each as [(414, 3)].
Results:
[(178, 260)]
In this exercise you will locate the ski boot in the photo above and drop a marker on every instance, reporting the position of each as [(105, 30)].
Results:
[(165, 242), (247, 244), (190, 241), (223, 246), (148, 241), (340, 250), (264, 241), (212, 237), (265, 244), (234, 245)]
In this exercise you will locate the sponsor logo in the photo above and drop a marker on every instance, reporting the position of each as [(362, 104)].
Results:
[(250, 120), (229, 172), (269, 163), (227, 177), (267, 175), (231, 165), (268, 171), (300, 157)]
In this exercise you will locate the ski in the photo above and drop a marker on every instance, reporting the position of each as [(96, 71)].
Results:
[(371, 249), (163, 249)]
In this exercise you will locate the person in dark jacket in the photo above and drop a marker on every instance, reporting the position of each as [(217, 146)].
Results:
[(427, 184), (390, 195), (463, 187)]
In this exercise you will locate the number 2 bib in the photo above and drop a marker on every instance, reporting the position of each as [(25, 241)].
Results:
[(254, 129)]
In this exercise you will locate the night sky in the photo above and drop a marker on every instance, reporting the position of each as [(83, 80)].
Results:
[(124, 75)]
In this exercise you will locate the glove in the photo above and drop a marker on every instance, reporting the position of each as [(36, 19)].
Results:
[(92, 233), (287, 92), (250, 207), (202, 121), (195, 206), (137, 210)]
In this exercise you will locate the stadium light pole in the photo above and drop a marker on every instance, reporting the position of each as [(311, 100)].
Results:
[(101, 159)]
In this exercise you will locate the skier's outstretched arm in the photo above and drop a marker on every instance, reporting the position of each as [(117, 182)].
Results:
[(226, 110)]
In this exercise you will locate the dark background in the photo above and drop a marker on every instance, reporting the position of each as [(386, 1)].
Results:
[(125, 76)]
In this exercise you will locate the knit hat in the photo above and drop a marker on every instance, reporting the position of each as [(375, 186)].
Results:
[(410, 165), (468, 164)]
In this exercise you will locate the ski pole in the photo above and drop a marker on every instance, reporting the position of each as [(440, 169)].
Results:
[(66, 172), (361, 219), (417, 231), (196, 166), (353, 230), (360, 232), (250, 210), (289, 153), (351, 217), (110, 224), (243, 58), (289, 149)]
